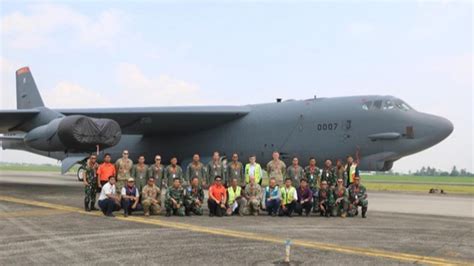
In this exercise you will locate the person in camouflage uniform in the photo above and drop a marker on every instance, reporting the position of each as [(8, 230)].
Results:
[(328, 174), (90, 183), (357, 197), (325, 199), (276, 168), (123, 168), (151, 198), (340, 171), (296, 172), (235, 169), (174, 201), (312, 173), (196, 169), (173, 171), (341, 203), (194, 198), (215, 168), (140, 173), (157, 170), (253, 195)]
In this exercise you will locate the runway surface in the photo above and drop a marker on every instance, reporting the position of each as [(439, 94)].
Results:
[(42, 222)]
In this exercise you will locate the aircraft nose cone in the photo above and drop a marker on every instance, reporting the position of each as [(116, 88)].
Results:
[(443, 128), (446, 127)]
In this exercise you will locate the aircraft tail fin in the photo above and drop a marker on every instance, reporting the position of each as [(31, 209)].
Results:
[(27, 94)]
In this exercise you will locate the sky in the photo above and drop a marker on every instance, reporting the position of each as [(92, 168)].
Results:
[(114, 54)]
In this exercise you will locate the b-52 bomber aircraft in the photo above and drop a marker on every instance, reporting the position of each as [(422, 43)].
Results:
[(378, 130)]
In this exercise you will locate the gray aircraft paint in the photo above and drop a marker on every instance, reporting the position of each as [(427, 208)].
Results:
[(326, 128)]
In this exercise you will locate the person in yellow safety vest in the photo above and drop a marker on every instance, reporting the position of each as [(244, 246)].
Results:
[(253, 169), (351, 171), (289, 196), (235, 202)]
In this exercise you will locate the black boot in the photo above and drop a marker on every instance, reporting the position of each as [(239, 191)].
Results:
[(86, 205), (168, 213), (364, 212), (92, 208)]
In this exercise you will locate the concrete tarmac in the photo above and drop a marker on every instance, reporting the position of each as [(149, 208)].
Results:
[(42, 222)]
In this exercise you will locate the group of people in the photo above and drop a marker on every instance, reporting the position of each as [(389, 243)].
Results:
[(233, 189)]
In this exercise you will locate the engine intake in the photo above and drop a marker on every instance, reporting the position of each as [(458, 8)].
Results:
[(74, 133)]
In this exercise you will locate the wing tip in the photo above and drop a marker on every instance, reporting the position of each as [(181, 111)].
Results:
[(23, 70)]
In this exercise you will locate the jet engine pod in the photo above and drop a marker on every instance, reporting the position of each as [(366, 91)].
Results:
[(378, 162), (74, 133)]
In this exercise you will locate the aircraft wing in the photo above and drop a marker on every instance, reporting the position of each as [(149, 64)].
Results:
[(147, 120), (10, 119)]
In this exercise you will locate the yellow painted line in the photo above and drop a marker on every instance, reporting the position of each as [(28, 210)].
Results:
[(413, 258), (31, 213)]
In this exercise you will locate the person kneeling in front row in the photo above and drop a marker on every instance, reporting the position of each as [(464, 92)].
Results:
[(108, 200), (289, 196), (217, 198)]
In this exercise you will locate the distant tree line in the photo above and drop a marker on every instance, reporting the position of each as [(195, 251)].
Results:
[(431, 171)]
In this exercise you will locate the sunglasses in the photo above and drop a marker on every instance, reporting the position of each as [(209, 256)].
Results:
[(125, 153)]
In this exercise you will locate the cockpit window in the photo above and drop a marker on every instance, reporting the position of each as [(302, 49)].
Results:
[(402, 105), (388, 105), (367, 105), (378, 104)]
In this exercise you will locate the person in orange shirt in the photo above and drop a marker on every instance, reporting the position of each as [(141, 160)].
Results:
[(105, 170), (217, 198)]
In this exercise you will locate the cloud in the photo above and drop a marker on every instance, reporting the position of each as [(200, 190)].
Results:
[(164, 90), (6, 66), (70, 95), (37, 27), (7, 83), (134, 89), (360, 28), (457, 68)]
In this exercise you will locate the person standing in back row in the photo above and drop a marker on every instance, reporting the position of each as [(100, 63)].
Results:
[(90, 183), (313, 176), (173, 171), (196, 169), (328, 174), (105, 170), (123, 168), (157, 171), (235, 169), (253, 169), (296, 172), (352, 170), (215, 168), (140, 173), (276, 168)]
